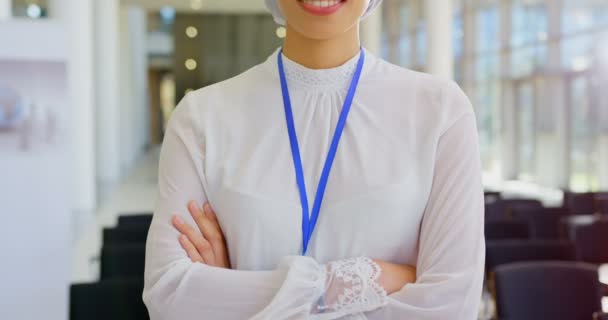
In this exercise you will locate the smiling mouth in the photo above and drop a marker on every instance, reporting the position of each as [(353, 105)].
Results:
[(322, 3), (321, 7)]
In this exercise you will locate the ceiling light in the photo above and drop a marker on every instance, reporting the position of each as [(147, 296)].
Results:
[(196, 4), (190, 64), (281, 32), (191, 32)]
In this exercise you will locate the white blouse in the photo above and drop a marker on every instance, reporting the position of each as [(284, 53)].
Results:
[(405, 188)]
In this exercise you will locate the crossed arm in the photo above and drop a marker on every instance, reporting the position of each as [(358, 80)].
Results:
[(208, 246)]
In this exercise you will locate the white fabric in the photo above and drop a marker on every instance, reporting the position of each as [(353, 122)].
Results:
[(273, 6), (405, 188)]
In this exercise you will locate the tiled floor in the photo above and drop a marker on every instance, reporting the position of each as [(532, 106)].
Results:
[(135, 194)]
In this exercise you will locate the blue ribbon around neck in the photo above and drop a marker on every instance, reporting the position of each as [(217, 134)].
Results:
[(309, 222)]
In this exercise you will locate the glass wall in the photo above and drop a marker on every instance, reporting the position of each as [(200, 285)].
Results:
[(529, 67)]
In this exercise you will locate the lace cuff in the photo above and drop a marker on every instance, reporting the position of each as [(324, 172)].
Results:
[(351, 287)]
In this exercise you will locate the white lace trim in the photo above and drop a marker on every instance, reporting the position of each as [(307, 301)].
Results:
[(334, 78), (352, 286)]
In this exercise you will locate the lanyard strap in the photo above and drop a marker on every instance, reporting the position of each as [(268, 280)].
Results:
[(309, 222)]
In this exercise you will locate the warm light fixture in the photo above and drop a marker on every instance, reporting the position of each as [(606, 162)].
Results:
[(190, 64), (281, 32), (196, 4), (191, 32)]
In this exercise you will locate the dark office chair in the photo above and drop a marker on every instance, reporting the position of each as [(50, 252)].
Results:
[(547, 290), (501, 209), (501, 230), (116, 299), (522, 204), (579, 203), (601, 204), (500, 252), (141, 220), (124, 260), (122, 235), (592, 242), (544, 222)]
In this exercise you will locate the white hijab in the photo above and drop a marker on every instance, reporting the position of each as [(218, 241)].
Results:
[(273, 6)]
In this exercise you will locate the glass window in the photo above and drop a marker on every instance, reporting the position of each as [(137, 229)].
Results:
[(526, 128), (583, 151), (525, 68), (487, 29)]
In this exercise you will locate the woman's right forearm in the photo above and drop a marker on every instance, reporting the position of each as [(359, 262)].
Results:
[(395, 276)]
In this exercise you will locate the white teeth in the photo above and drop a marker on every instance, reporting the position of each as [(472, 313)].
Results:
[(321, 3)]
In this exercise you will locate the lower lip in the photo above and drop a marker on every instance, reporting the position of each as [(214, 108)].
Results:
[(322, 11)]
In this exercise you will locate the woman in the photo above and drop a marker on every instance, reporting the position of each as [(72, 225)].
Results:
[(394, 232)]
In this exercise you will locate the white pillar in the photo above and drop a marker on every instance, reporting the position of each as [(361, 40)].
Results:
[(6, 9), (439, 17), (133, 88), (139, 51), (77, 16), (107, 94), (371, 32), (508, 129), (468, 38)]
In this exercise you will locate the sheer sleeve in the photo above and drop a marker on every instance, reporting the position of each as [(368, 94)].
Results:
[(176, 288), (452, 247)]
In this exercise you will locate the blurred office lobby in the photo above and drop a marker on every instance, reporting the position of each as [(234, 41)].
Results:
[(87, 87)]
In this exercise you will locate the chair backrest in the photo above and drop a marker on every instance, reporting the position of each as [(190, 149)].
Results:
[(499, 230), (124, 235), (141, 220), (592, 242), (580, 203), (116, 299), (545, 223), (496, 211), (601, 204), (500, 252), (501, 209), (124, 260), (512, 204), (547, 290)]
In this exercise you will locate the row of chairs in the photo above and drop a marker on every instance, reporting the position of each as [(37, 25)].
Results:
[(589, 234), (533, 259), (117, 294), (575, 203)]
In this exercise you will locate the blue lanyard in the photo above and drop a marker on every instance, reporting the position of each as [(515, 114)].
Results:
[(309, 222)]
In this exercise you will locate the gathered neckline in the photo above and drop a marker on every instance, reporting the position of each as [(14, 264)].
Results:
[(331, 79)]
